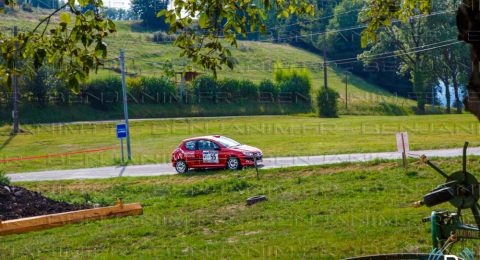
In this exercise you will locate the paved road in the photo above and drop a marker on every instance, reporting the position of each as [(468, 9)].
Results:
[(278, 162)]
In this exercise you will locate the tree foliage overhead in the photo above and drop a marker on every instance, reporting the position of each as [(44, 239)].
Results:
[(76, 44), (222, 19), (382, 13)]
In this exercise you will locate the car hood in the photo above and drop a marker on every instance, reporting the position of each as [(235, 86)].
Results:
[(246, 148)]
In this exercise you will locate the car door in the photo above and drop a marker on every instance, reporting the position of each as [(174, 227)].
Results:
[(207, 153), (189, 153), (223, 154)]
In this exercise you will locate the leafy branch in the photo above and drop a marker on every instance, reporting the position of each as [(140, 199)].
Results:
[(220, 22), (78, 52)]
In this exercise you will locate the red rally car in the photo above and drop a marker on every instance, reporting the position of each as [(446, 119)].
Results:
[(214, 152)]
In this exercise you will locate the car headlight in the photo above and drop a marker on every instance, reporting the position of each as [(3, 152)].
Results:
[(248, 154)]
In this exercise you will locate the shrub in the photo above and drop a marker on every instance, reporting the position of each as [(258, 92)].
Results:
[(298, 87), (327, 101), (43, 83), (248, 90), (231, 86), (4, 180), (295, 81), (205, 87), (135, 88), (103, 93), (158, 88), (268, 88)]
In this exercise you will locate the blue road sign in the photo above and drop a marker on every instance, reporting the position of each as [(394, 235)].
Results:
[(121, 131)]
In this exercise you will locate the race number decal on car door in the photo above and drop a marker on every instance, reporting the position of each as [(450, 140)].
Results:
[(210, 157)]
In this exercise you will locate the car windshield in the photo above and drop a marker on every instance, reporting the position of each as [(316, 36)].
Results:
[(227, 142)]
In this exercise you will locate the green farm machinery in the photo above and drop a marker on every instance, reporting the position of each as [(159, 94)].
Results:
[(461, 190)]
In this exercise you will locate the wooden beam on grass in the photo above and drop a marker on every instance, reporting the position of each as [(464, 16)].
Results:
[(24, 225)]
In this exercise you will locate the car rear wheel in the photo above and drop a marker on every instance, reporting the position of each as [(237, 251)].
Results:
[(233, 163), (181, 166)]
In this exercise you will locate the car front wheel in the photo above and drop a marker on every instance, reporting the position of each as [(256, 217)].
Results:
[(233, 163), (181, 166)]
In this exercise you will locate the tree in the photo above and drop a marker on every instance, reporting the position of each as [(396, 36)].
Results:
[(449, 66), (147, 11), (346, 44), (382, 13), (120, 14), (406, 38), (222, 19), (46, 4), (75, 44)]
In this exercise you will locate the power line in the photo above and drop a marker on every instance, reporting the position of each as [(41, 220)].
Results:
[(419, 49), (393, 52), (407, 53), (350, 28), (314, 20), (353, 59), (357, 27)]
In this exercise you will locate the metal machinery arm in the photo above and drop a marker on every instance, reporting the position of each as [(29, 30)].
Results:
[(461, 190)]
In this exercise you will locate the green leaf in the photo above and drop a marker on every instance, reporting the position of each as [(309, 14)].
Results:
[(111, 26), (65, 18), (203, 21), (162, 13), (83, 3)]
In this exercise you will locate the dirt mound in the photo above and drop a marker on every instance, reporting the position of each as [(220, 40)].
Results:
[(17, 202)]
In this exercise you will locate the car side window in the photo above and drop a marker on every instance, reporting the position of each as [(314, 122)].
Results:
[(207, 145), (190, 145)]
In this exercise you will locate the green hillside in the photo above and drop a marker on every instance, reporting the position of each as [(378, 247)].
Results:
[(255, 60)]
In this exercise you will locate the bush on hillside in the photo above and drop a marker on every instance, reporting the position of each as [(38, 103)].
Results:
[(157, 89), (103, 94), (299, 86), (229, 88), (298, 82), (135, 88), (248, 90), (268, 88), (42, 84), (327, 102), (205, 88)]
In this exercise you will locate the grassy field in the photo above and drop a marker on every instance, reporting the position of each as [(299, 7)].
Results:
[(153, 141), (255, 60), (312, 212)]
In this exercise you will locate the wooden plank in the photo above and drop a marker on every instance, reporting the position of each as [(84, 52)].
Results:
[(23, 225)]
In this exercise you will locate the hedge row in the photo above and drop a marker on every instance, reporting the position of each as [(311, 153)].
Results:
[(103, 93), (207, 87)]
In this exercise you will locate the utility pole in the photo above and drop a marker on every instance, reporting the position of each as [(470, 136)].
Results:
[(125, 104), (346, 90), (325, 71), (16, 127)]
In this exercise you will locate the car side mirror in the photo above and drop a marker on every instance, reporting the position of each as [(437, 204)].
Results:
[(218, 149)]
